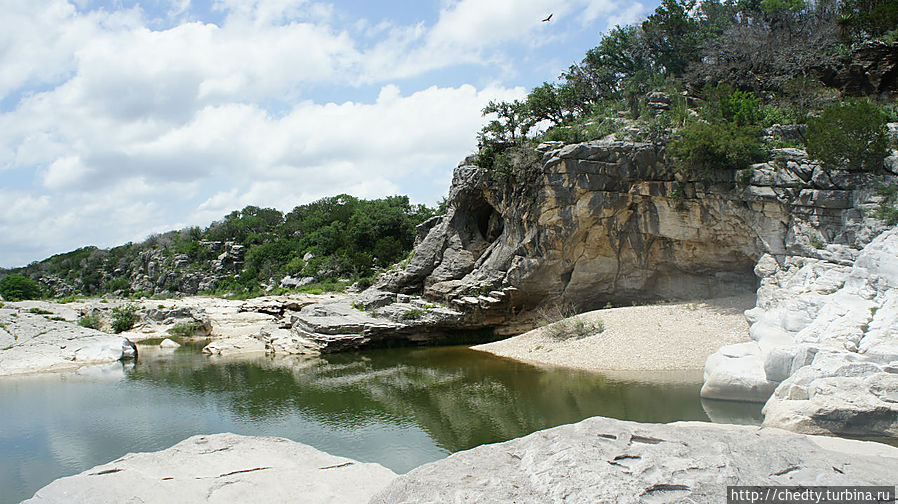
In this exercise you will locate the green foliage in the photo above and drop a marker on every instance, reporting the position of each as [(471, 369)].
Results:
[(581, 132), (91, 320), (413, 314), (185, 329), (851, 135), (672, 35), (40, 311), (887, 210), (744, 108), (124, 317), (117, 284), (702, 148), (775, 8), (511, 122), (866, 19), (17, 287)]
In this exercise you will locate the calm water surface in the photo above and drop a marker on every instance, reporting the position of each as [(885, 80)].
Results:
[(397, 407)]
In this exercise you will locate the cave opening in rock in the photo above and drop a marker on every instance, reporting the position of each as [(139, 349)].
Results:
[(489, 223)]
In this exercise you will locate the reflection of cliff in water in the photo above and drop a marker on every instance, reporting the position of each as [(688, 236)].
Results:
[(461, 397)]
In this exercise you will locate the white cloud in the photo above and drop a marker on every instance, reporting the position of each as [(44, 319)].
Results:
[(38, 39), (115, 192), (118, 129)]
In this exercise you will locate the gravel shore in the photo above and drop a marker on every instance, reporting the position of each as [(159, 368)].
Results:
[(663, 337)]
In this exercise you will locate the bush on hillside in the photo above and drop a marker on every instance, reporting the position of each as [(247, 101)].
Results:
[(18, 287), (849, 135), (702, 148), (92, 321), (123, 318)]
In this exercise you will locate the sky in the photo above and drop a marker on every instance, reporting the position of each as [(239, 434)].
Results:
[(124, 118)]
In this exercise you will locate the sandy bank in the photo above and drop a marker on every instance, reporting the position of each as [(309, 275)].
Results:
[(668, 337)]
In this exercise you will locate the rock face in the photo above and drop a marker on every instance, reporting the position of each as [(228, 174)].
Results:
[(872, 70), (606, 460), (610, 221), (223, 468), (826, 340), (375, 318), (34, 342)]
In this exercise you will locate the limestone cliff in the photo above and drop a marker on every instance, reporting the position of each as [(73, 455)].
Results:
[(612, 221)]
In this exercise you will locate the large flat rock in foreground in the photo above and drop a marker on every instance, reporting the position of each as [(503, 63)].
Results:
[(223, 468), (606, 460)]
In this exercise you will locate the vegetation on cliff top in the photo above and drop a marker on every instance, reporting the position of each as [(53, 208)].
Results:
[(706, 76)]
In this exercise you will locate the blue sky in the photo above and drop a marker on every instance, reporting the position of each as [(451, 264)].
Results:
[(122, 118)]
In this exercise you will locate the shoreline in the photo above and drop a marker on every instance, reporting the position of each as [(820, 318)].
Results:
[(668, 338)]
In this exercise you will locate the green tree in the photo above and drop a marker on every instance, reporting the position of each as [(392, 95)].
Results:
[(17, 287), (672, 35), (544, 103), (851, 135), (510, 125)]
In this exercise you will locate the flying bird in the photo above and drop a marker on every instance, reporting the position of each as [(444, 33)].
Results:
[(548, 18)]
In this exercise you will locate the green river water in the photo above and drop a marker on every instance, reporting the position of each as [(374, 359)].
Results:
[(397, 407)]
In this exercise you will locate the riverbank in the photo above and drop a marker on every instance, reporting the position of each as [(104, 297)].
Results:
[(664, 337)]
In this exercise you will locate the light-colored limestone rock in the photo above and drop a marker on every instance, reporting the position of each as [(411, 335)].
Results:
[(167, 343), (736, 372), (236, 345), (223, 468), (825, 335), (606, 460), (33, 343)]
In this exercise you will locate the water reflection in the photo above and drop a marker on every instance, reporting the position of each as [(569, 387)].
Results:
[(460, 397), (397, 407)]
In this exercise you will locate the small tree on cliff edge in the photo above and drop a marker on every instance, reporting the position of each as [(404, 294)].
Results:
[(850, 135)]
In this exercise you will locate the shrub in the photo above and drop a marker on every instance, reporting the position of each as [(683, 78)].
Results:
[(185, 329), (18, 287), (887, 210), (123, 318), (413, 314), (92, 321), (575, 328), (702, 147), (40, 311), (851, 135), (744, 107)]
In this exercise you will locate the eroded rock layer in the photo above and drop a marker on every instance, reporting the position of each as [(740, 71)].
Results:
[(612, 221)]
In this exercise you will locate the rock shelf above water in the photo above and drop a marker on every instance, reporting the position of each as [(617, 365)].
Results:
[(596, 460), (607, 460), (223, 468)]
